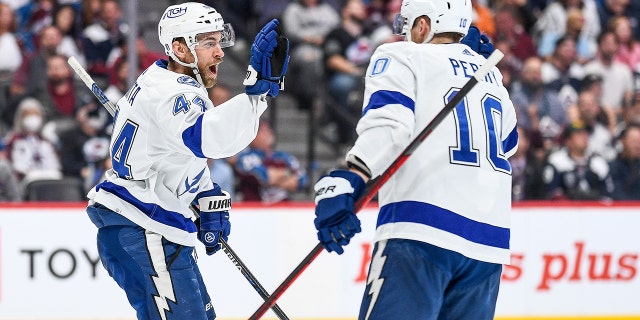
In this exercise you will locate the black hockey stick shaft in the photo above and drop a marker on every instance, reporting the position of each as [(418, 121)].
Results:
[(111, 108), (374, 185)]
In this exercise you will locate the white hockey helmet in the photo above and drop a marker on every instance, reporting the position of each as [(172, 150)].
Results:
[(187, 20), (445, 15)]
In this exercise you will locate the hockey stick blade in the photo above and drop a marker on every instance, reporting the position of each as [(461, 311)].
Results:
[(111, 108), (374, 185)]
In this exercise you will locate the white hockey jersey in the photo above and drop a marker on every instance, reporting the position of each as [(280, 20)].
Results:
[(454, 191), (165, 129)]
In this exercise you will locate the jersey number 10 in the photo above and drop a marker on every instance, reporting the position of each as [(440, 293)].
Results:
[(465, 153)]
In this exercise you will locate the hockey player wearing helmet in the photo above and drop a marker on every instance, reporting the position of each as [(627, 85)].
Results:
[(165, 129), (436, 255)]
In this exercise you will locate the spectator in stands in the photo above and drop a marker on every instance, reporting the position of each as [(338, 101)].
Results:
[(91, 121), (96, 155), (32, 18), (554, 19), (585, 46), (562, 72), (63, 94), (617, 78), (510, 30), (69, 26), (266, 174), (306, 23), (483, 18), (600, 138), (242, 15), (31, 156), (101, 37), (630, 115), (610, 9), (11, 54), (574, 174), (118, 83), (533, 101), (625, 169), (146, 56), (29, 78), (9, 191), (527, 166), (629, 50), (346, 52), (90, 12)]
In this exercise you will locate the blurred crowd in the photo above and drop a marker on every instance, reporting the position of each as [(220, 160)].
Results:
[(572, 68)]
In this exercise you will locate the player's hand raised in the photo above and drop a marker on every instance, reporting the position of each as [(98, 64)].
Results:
[(336, 220), (269, 61), (480, 43)]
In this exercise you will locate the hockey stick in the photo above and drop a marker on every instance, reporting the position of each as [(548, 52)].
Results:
[(111, 108), (374, 185)]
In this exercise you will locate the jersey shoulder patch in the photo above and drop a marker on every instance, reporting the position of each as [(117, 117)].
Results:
[(189, 81)]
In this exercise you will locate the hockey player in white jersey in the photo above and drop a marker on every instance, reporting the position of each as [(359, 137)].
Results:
[(165, 129), (443, 227)]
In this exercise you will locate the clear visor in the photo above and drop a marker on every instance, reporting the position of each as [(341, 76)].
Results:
[(228, 36), (224, 38), (400, 24)]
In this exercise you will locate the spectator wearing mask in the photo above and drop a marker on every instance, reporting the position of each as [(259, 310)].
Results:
[(625, 169), (31, 156)]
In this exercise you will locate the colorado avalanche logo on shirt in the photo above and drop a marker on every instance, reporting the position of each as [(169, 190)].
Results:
[(188, 80)]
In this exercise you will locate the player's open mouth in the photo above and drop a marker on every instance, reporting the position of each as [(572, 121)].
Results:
[(213, 69)]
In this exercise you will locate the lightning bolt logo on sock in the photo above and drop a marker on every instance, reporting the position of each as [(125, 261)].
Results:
[(375, 281), (162, 279)]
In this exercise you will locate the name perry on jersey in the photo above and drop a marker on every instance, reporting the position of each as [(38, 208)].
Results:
[(467, 69)]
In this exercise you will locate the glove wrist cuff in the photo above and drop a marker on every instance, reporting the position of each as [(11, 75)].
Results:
[(251, 77), (218, 203)]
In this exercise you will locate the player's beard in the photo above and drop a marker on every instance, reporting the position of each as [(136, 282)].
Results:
[(209, 77)]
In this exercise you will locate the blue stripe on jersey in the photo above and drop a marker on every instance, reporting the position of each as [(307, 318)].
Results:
[(192, 137), (443, 219), (511, 141), (152, 210), (382, 98)]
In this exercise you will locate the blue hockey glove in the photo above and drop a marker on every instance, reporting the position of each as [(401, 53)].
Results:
[(480, 43), (214, 217), (269, 61), (336, 220)]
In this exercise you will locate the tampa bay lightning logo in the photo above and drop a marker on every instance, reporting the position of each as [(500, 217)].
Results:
[(188, 80), (192, 186)]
